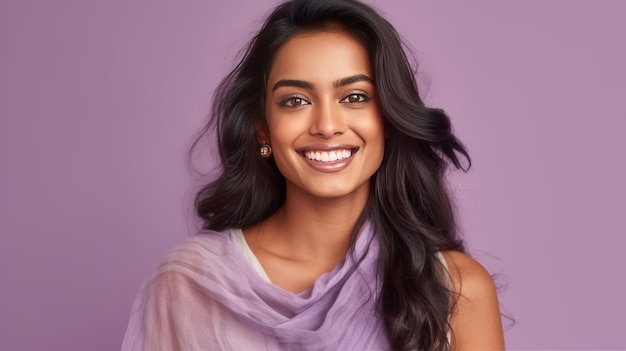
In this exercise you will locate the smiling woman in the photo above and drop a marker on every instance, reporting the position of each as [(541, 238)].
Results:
[(330, 227), (323, 105), (325, 125)]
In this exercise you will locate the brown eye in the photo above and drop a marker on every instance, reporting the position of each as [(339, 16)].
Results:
[(355, 98), (293, 101)]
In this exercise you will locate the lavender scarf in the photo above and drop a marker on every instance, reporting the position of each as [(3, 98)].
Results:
[(205, 295)]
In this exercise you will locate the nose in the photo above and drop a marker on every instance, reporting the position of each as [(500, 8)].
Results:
[(328, 120)]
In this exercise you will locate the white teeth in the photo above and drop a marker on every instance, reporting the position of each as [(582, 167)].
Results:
[(326, 156)]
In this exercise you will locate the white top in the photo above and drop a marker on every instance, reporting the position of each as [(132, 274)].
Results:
[(240, 240)]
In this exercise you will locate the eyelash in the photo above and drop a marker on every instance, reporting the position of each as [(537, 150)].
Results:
[(289, 100), (362, 98)]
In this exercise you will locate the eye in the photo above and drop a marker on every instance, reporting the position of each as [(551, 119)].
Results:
[(355, 99), (293, 101)]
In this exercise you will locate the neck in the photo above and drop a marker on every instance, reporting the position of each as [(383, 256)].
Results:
[(317, 228)]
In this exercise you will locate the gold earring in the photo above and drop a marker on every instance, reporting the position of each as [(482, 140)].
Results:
[(266, 150)]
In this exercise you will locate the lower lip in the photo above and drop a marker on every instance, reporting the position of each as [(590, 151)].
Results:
[(329, 167)]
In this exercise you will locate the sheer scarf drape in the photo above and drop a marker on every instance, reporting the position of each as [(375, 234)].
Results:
[(205, 295)]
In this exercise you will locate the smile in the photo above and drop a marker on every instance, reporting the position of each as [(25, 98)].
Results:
[(328, 156)]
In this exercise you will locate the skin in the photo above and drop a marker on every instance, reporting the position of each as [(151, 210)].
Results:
[(475, 321), (320, 96)]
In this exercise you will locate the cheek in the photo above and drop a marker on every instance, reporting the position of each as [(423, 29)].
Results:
[(285, 128), (372, 128), (374, 135), (283, 132)]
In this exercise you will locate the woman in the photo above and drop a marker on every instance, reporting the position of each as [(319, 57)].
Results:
[(330, 227)]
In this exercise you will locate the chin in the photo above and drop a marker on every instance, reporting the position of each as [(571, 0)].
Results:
[(337, 191)]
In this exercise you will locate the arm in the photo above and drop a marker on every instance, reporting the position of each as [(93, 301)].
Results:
[(475, 320)]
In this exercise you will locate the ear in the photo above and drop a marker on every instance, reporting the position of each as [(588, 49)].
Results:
[(262, 134)]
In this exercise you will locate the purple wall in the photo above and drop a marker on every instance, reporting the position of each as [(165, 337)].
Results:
[(98, 103)]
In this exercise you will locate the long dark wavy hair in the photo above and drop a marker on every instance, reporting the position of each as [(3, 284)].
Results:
[(408, 206)]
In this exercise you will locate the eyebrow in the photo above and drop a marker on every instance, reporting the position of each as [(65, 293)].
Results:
[(352, 79), (336, 84), (292, 83)]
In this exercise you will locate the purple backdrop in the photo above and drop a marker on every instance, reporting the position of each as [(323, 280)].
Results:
[(99, 101)]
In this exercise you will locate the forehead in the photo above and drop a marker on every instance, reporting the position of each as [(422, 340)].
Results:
[(320, 56)]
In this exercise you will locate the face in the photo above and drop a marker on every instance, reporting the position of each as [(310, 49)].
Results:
[(324, 121)]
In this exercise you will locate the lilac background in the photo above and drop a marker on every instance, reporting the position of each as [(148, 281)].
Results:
[(99, 101)]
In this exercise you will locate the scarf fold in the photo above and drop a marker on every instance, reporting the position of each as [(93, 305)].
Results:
[(205, 295)]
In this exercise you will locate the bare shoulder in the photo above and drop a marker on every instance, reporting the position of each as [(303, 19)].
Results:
[(468, 277), (475, 320)]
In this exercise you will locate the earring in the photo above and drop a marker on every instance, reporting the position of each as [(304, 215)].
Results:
[(266, 150)]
